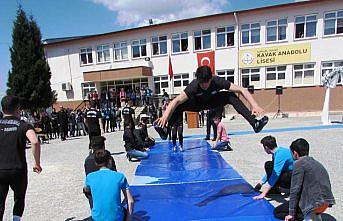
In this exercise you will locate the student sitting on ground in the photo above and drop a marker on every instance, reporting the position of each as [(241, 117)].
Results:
[(97, 143), (310, 193), (222, 140), (278, 171), (105, 186), (133, 149), (142, 137)]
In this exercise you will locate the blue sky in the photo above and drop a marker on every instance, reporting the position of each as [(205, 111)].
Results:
[(82, 17)]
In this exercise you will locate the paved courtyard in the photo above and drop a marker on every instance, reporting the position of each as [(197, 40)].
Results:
[(56, 193)]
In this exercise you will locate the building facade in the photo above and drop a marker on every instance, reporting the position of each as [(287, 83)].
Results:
[(288, 45)]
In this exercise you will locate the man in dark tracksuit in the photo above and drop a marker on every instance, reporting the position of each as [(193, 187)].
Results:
[(206, 92), (93, 121), (13, 166), (62, 119)]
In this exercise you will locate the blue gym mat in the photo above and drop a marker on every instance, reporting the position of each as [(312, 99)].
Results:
[(193, 185)]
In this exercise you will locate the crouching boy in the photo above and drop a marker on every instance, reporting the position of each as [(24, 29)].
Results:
[(310, 193)]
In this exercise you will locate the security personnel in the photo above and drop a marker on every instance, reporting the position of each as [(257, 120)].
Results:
[(13, 166), (93, 121), (128, 115), (62, 119)]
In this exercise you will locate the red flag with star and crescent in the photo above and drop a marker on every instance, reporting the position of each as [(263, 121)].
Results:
[(207, 59)]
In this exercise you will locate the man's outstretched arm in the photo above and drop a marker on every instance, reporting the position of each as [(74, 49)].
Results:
[(256, 109), (181, 98)]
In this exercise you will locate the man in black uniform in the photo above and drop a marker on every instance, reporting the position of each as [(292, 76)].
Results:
[(13, 166), (128, 114), (62, 120), (54, 124), (93, 121), (205, 92)]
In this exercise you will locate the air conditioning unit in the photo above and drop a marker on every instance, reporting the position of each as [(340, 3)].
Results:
[(67, 86)]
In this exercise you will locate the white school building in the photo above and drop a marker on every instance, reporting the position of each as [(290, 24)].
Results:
[(287, 45)]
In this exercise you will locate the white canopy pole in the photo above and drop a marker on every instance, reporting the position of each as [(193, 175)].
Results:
[(330, 80)]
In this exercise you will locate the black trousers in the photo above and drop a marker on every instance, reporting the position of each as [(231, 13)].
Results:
[(219, 99), (281, 211), (284, 179), (17, 180), (209, 123), (177, 130), (92, 134)]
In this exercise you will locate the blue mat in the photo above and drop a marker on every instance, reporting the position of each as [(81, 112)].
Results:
[(194, 185)]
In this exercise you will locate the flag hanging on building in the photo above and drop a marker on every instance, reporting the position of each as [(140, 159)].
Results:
[(207, 59), (171, 74)]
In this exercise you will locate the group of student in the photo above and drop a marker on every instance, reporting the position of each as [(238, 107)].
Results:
[(294, 172)]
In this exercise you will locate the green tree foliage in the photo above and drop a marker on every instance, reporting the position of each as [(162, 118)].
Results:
[(29, 78)]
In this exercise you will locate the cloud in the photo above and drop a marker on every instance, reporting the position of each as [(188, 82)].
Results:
[(138, 12)]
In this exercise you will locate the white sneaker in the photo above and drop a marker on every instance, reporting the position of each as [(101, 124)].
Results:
[(181, 148), (174, 149)]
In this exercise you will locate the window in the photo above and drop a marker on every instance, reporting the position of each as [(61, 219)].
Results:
[(181, 80), (225, 36), (329, 65), (159, 45), (276, 30), (87, 88), (120, 51), (251, 33), (251, 77), (227, 74), (180, 42), (161, 82), (305, 26), (275, 76), (202, 39), (139, 48), (333, 23), (303, 74), (86, 56), (103, 52)]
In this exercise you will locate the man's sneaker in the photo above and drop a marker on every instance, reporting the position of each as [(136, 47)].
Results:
[(206, 138), (214, 139), (259, 124), (181, 148), (162, 131), (174, 149)]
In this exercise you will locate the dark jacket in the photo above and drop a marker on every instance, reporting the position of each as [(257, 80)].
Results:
[(310, 187), (91, 167)]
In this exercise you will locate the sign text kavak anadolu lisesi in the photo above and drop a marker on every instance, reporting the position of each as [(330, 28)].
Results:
[(267, 56)]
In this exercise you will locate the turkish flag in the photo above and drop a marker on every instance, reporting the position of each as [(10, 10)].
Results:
[(171, 74), (207, 59)]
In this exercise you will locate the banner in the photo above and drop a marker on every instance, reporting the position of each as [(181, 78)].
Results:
[(207, 59), (283, 54)]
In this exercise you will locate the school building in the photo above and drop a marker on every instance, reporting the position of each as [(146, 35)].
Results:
[(289, 45)]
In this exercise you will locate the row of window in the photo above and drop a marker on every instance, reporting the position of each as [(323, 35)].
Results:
[(276, 30), (303, 74)]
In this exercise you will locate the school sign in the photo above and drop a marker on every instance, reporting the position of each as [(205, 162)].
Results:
[(269, 56)]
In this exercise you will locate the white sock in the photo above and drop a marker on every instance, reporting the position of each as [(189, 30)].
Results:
[(16, 218)]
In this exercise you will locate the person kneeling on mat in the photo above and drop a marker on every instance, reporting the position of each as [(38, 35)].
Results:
[(105, 186), (205, 92), (222, 142), (133, 149), (310, 193), (278, 171)]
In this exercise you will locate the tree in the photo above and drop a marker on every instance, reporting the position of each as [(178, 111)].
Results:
[(29, 78)]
